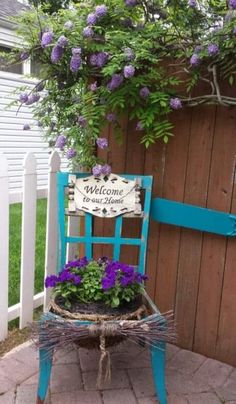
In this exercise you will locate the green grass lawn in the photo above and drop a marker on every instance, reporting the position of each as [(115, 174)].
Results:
[(15, 249)]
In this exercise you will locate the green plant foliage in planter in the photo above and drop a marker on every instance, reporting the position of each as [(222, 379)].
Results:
[(99, 61), (102, 284)]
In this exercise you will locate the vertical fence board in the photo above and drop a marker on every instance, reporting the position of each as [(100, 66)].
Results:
[(173, 188), (214, 247), (199, 157), (4, 249), (51, 253), (28, 239)]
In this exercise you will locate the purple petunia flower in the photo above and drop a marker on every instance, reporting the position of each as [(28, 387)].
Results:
[(139, 126), (75, 63), (111, 117), (232, 4), (101, 11), (26, 126), (23, 97), (51, 281), (116, 81), (62, 41), (69, 24), (93, 86), (129, 54), (175, 103), (195, 60), (24, 55), (144, 92), (212, 49), (71, 153), (57, 53), (129, 71), (91, 19), (47, 38), (192, 3), (88, 32), (97, 170), (61, 142), (131, 3), (81, 120), (102, 142), (77, 279), (106, 169)]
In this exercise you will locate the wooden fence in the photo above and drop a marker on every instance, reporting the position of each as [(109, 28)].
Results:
[(28, 301), (189, 271)]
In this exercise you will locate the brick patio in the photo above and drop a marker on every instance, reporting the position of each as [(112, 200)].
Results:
[(191, 378)]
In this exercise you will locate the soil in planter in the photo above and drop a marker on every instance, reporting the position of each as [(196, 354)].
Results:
[(99, 307)]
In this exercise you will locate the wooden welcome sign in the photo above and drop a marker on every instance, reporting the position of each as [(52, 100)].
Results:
[(104, 196)]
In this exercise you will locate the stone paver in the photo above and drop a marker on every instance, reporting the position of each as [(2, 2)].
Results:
[(119, 380), (77, 397), (119, 397), (191, 378)]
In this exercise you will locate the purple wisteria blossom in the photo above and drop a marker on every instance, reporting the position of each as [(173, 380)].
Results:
[(75, 63), (97, 170), (32, 98), (70, 154), (212, 49), (111, 117), (116, 81), (24, 55), (127, 22), (26, 126), (106, 169), (232, 4), (144, 92), (102, 58), (88, 32), (234, 30), (131, 3), (91, 19), (23, 97), (195, 60), (176, 103), (192, 3), (62, 41), (139, 126), (101, 11), (197, 49), (69, 25), (47, 38), (76, 51), (93, 86), (102, 142), (61, 142), (129, 54), (82, 121), (93, 59), (40, 86), (129, 71), (57, 53)]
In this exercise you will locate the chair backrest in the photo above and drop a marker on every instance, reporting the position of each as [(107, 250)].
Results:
[(89, 239)]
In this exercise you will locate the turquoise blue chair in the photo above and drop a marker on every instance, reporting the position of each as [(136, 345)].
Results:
[(117, 241)]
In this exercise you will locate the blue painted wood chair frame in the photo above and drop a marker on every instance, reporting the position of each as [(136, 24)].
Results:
[(158, 353)]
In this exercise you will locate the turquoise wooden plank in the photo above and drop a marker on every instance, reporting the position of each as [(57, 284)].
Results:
[(193, 217), (118, 230), (102, 240), (145, 225), (88, 235), (61, 219)]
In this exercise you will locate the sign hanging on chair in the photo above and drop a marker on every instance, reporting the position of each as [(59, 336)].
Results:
[(105, 196)]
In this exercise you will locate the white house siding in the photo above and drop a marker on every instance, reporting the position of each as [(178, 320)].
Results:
[(8, 36), (14, 141)]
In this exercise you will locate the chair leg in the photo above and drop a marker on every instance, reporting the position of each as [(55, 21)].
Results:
[(45, 367), (158, 368)]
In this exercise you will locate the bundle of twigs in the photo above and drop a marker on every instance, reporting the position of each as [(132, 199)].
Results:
[(52, 332)]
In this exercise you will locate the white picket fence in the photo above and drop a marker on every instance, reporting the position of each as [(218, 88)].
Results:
[(28, 301)]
